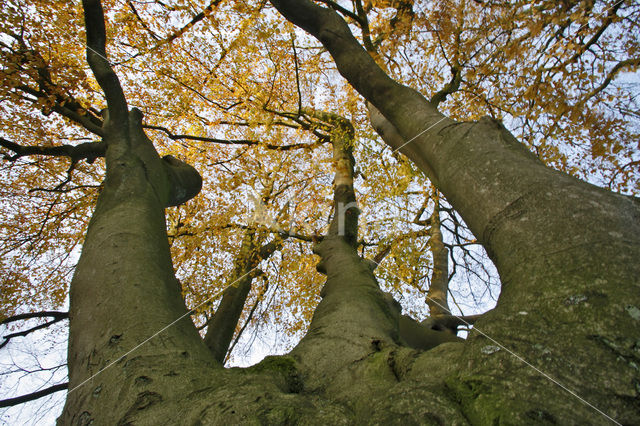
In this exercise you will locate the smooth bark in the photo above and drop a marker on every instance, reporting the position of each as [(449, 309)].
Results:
[(224, 321)]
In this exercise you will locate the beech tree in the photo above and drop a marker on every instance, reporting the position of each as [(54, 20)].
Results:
[(560, 347)]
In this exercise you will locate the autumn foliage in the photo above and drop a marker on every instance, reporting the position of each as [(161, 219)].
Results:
[(232, 88)]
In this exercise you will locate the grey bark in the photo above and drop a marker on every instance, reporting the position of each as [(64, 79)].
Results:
[(125, 259), (554, 239), (437, 296), (566, 252)]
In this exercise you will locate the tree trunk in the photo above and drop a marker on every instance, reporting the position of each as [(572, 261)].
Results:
[(561, 345), (566, 252), (439, 288), (223, 323)]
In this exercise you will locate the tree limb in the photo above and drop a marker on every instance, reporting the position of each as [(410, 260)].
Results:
[(246, 323), (631, 62), (85, 151), (346, 12), (57, 316), (97, 59), (363, 20), (173, 136), (439, 288), (10, 402), (65, 106), (224, 321), (139, 18), (451, 87), (353, 62), (596, 36), (199, 17), (44, 314)]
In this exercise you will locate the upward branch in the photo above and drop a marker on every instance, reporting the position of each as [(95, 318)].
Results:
[(345, 220), (395, 102), (352, 60), (224, 321), (97, 59), (439, 289)]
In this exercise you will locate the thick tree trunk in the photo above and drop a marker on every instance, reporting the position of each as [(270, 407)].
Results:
[(123, 292), (566, 252)]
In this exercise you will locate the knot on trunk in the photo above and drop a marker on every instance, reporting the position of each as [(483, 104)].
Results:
[(184, 180), (174, 181), (334, 245), (321, 250)]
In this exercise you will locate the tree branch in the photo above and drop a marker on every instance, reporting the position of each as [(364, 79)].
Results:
[(44, 314), (57, 316), (385, 249), (173, 136), (97, 59), (596, 36), (85, 151), (353, 62), (65, 106), (451, 87), (346, 12), (363, 20), (10, 402), (295, 61), (631, 62), (224, 321), (246, 323), (199, 17), (139, 18)]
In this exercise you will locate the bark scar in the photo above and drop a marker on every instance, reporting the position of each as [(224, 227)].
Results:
[(514, 209)]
